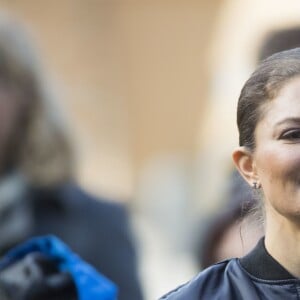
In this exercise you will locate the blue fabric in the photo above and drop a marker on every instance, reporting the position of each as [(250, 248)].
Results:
[(66, 211), (229, 280), (90, 284)]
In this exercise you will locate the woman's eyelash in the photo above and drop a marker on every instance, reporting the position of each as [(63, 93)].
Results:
[(291, 134)]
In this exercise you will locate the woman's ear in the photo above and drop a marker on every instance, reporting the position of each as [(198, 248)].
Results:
[(244, 162)]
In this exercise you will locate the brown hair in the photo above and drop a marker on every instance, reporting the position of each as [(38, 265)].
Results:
[(262, 86)]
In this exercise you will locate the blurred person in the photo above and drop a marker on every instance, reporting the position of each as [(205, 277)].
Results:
[(279, 40), (38, 190), (268, 120)]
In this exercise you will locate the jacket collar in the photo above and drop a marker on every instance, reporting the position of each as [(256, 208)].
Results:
[(261, 264)]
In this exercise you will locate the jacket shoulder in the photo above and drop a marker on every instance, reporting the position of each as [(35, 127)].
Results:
[(206, 284)]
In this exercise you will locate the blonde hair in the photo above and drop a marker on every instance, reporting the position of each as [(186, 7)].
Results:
[(44, 152)]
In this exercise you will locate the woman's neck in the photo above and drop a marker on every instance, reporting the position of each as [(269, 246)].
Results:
[(282, 241)]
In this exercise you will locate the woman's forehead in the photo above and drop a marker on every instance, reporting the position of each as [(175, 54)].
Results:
[(285, 107)]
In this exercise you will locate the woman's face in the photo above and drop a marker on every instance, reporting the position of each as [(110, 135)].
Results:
[(277, 154)]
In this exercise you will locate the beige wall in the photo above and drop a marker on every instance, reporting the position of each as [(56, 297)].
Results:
[(133, 76)]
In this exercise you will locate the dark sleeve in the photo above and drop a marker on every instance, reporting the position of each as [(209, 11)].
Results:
[(95, 228), (118, 254), (106, 241)]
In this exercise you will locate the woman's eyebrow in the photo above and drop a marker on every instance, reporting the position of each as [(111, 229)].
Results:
[(288, 120)]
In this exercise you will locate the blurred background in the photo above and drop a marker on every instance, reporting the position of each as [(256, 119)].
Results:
[(150, 91)]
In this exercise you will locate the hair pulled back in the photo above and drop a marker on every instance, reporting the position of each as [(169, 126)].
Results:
[(264, 85)]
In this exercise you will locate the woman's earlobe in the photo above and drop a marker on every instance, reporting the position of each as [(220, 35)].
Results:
[(243, 160)]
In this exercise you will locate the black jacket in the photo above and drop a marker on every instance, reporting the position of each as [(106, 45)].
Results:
[(96, 229), (255, 276)]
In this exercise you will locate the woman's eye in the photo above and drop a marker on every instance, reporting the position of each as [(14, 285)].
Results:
[(291, 135)]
